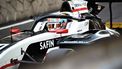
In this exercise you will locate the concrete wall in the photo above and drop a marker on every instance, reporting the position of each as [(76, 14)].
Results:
[(12, 10)]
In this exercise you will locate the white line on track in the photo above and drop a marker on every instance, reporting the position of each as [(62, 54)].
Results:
[(17, 24)]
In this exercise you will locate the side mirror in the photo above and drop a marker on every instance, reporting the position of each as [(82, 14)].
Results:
[(61, 31), (14, 30)]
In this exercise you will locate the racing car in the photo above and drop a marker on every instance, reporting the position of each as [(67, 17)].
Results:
[(46, 35), (49, 34)]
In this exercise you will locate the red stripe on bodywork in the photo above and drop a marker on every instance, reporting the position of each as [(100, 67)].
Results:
[(79, 9), (8, 65)]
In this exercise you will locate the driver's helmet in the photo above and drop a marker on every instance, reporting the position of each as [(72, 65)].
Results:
[(75, 9)]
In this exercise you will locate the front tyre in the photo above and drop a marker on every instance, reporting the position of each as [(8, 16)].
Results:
[(96, 23)]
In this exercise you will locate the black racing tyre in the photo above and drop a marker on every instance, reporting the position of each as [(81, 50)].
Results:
[(96, 23)]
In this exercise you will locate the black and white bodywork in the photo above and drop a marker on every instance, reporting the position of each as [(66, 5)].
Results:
[(47, 34)]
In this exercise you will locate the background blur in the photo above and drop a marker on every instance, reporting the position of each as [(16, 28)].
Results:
[(14, 10)]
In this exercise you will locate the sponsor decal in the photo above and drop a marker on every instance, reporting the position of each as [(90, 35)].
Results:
[(80, 4), (46, 44), (56, 20), (77, 5), (74, 42)]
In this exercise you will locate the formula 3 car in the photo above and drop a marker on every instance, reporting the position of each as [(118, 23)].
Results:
[(49, 35), (46, 35)]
